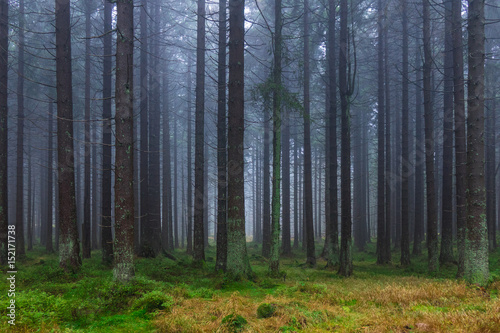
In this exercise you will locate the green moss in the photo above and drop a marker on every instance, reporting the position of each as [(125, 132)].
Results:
[(266, 310), (234, 322)]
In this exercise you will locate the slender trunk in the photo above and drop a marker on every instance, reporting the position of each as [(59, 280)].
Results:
[(446, 255), (106, 235), (405, 156), (332, 238), (308, 205), (418, 234), (48, 245), (189, 248), (29, 219), (432, 230), (69, 247), (221, 260), (167, 170), (286, 248), (124, 158), (86, 194), (4, 47), (199, 156), (381, 215), (20, 248), (476, 243), (266, 222), (389, 181), (295, 194)]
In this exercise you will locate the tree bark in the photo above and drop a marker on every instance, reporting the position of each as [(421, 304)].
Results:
[(476, 243), (4, 48), (238, 264), (69, 247), (124, 158)]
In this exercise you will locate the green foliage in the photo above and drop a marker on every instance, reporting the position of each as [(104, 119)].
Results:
[(154, 300), (234, 322), (266, 310)]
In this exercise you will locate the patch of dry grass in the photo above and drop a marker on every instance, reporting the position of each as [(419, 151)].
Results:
[(391, 304)]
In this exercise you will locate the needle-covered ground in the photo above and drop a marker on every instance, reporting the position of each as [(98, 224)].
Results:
[(173, 296)]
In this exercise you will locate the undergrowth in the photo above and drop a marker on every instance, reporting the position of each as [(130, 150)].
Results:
[(174, 296)]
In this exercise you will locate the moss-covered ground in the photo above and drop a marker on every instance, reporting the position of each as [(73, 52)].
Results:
[(173, 296)]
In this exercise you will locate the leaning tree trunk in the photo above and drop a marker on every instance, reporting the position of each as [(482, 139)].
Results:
[(124, 144), (238, 264), (476, 243), (69, 243)]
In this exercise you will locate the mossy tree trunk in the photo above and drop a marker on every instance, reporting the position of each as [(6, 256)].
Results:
[(69, 244), (238, 264), (124, 158), (476, 242)]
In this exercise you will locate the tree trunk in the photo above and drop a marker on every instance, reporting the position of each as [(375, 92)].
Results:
[(446, 255), (389, 181), (86, 177), (381, 215), (106, 235), (124, 158), (405, 157), (199, 157), (4, 47), (432, 227), (345, 87), (221, 260), (286, 248), (331, 237), (189, 244), (238, 264), (48, 244), (476, 243), (69, 247), (20, 248), (266, 222), (167, 170), (308, 205)]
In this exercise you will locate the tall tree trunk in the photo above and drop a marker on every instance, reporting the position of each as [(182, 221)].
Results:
[(286, 247), (199, 154), (308, 205), (266, 222), (167, 170), (432, 230), (124, 158), (152, 244), (86, 177), (389, 181), (221, 260), (146, 231), (418, 234), (277, 95), (106, 235), (20, 248), (331, 237), (238, 264), (94, 205), (69, 247), (189, 244), (295, 193), (4, 48), (446, 254), (345, 87), (29, 219), (405, 156), (48, 245), (476, 243), (175, 226), (381, 215)]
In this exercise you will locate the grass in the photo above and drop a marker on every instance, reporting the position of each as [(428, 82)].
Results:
[(172, 296)]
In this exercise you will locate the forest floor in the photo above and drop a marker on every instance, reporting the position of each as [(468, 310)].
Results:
[(173, 296)]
